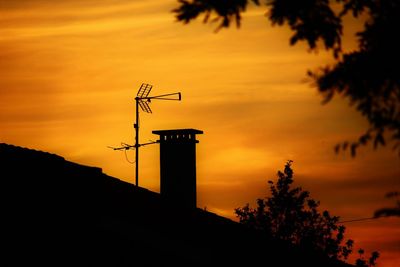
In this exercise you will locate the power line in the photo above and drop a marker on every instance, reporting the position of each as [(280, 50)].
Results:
[(362, 219)]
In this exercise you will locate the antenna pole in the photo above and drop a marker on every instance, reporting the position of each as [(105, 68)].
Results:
[(142, 101), (137, 142)]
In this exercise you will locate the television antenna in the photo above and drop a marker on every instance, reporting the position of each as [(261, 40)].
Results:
[(143, 101)]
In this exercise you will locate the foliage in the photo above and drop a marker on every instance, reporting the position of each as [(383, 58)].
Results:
[(367, 77), (291, 214), (361, 262), (390, 211)]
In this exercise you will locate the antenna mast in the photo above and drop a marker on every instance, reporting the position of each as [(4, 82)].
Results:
[(143, 100)]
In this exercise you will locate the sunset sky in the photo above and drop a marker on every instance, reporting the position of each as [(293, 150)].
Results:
[(70, 71)]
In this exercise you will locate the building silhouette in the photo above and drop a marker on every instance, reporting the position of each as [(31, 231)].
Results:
[(59, 213)]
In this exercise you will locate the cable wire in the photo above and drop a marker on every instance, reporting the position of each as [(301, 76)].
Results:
[(127, 159), (362, 219)]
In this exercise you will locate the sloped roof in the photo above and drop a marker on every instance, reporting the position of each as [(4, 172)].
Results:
[(60, 213)]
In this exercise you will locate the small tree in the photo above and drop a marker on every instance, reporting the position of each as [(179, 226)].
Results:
[(290, 214)]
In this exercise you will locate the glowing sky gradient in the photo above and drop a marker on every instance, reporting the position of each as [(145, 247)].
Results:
[(70, 71)]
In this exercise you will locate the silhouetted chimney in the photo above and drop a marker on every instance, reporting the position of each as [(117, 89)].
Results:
[(178, 165)]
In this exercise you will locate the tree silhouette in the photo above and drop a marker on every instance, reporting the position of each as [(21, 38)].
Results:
[(290, 214), (368, 77)]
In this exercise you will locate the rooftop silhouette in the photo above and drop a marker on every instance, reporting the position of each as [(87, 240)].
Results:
[(60, 213)]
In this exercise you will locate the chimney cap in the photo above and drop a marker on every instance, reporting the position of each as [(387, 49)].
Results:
[(177, 131)]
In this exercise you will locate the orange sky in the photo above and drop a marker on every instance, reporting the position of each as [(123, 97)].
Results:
[(70, 71)]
